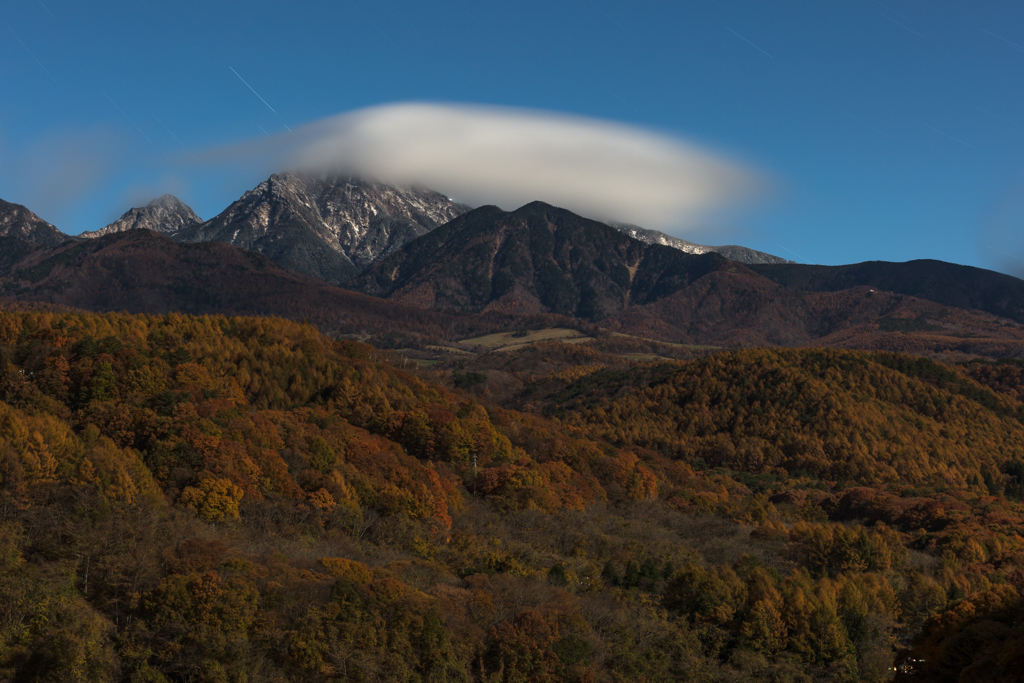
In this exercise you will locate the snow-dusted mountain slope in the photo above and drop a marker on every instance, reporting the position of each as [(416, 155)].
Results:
[(166, 215), (328, 227), (17, 221), (730, 251)]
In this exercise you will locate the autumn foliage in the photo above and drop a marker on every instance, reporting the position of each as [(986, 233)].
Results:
[(243, 499)]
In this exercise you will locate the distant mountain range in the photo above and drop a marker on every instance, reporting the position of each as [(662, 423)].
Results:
[(329, 228), (542, 259), (414, 261), (332, 228), (945, 283)]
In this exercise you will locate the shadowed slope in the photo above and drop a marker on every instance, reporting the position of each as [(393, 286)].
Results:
[(143, 272), (536, 259), (741, 308), (945, 283)]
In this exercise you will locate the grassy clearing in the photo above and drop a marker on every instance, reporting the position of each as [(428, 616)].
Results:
[(504, 341)]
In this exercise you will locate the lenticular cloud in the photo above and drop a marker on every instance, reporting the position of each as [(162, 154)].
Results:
[(490, 155)]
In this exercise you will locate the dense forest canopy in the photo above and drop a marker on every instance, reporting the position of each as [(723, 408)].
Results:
[(243, 499), (873, 419)]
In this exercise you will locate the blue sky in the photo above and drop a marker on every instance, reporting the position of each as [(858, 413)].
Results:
[(889, 131)]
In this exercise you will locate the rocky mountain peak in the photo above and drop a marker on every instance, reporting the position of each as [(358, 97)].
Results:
[(17, 221), (166, 214), (331, 227), (168, 201), (280, 185)]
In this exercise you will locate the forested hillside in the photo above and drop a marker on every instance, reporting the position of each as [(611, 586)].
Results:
[(868, 418), (243, 499)]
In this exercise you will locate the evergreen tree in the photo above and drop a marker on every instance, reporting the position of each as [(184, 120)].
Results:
[(556, 575), (649, 570), (631, 578), (609, 574)]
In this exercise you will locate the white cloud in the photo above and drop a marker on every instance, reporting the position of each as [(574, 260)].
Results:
[(509, 157)]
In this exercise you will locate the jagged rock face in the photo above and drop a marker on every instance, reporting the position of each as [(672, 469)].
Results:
[(373, 220), (17, 221), (167, 215), (730, 251), (331, 228)]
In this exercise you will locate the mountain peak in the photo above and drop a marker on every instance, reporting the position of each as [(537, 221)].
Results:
[(166, 214), (18, 221), (330, 227), (166, 201), (536, 259), (537, 205)]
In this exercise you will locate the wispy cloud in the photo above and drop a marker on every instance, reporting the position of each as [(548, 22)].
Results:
[(509, 157), (1000, 235), (55, 173)]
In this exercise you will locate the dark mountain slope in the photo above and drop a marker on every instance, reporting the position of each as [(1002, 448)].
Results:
[(742, 308), (142, 272), (536, 259), (13, 249), (17, 221), (945, 283), (330, 228)]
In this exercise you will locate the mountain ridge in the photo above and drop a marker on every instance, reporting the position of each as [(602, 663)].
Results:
[(542, 259), (946, 283), (732, 252), (18, 221), (327, 227), (538, 258)]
